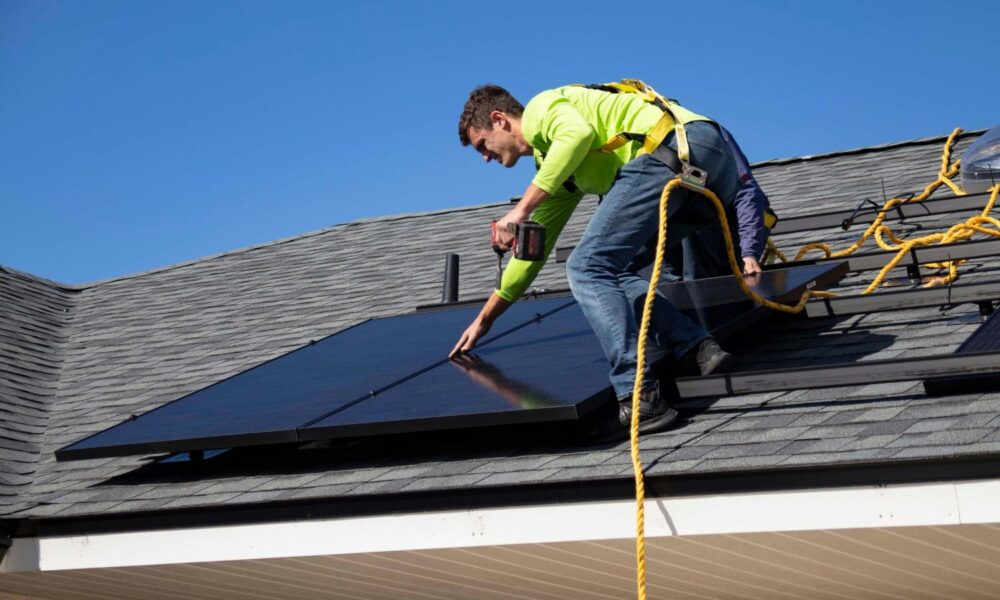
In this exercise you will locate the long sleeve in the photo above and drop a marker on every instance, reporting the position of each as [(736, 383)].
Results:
[(553, 213), (564, 135), (750, 203)]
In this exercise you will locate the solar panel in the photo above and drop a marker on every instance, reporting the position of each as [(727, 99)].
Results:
[(391, 375), (552, 369), (719, 305), (985, 339), (268, 402)]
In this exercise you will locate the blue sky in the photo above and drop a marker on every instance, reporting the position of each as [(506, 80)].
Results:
[(137, 134)]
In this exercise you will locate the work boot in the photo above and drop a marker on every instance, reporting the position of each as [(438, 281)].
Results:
[(654, 413), (613, 426), (709, 358)]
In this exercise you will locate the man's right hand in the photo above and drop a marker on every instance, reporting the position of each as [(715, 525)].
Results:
[(469, 337)]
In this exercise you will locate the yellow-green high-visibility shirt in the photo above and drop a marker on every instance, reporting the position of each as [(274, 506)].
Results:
[(567, 126)]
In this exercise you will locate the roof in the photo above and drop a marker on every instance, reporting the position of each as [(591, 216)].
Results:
[(76, 360)]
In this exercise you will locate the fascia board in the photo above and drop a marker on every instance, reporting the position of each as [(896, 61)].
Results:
[(902, 505)]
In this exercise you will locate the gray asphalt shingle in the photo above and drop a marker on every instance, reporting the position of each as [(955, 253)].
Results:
[(75, 360), (35, 318)]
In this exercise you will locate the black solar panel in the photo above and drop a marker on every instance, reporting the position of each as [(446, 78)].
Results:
[(267, 403), (392, 375), (552, 369), (985, 339), (719, 305)]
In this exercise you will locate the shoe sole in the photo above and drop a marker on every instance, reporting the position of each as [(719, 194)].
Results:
[(659, 423), (618, 434)]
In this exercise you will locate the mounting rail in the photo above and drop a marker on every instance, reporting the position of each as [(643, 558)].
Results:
[(861, 373), (979, 292)]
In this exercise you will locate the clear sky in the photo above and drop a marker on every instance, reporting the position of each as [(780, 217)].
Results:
[(136, 134)]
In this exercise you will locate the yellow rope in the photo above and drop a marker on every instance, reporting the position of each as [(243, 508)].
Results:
[(890, 242), (947, 171), (647, 313), (959, 232), (771, 252)]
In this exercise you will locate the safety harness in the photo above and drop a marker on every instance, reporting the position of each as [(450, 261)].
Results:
[(674, 118)]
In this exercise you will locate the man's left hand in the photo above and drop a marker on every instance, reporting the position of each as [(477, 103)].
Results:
[(750, 266)]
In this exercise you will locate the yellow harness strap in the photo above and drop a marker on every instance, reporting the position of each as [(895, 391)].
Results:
[(650, 141)]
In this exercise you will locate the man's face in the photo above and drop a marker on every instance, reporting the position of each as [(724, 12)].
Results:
[(499, 143)]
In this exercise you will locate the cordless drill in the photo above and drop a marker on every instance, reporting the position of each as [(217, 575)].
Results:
[(529, 243)]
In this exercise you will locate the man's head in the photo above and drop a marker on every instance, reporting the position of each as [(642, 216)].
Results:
[(491, 123)]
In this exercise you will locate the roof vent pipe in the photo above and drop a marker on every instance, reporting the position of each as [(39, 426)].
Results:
[(981, 163), (450, 291)]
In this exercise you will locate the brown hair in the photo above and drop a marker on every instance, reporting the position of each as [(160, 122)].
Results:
[(482, 101)]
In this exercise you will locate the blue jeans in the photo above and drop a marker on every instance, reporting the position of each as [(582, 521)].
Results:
[(603, 270)]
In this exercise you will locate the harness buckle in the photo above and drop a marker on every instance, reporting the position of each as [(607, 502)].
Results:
[(693, 178)]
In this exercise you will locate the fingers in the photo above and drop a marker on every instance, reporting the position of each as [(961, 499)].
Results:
[(465, 343), (469, 338), (458, 347), (504, 240), (751, 266)]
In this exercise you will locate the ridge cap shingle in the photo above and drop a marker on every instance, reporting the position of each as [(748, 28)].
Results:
[(419, 214), (58, 285), (936, 139), (286, 240)]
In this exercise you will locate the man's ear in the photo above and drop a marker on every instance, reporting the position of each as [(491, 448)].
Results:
[(499, 119)]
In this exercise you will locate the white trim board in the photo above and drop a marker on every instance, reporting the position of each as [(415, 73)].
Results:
[(846, 508)]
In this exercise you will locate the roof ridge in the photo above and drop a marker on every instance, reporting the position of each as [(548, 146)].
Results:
[(65, 287), (419, 214), (285, 240), (44, 311), (866, 149)]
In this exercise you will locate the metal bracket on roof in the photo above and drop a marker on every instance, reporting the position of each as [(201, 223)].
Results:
[(899, 207), (846, 223), (985, 308)]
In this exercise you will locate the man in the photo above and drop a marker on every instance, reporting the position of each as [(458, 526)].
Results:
[(565, 129)]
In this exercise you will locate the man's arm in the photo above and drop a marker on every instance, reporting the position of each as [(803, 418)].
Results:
[(519, 274), (532, 197), (749, 204), (568, 136), (493, 308)]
